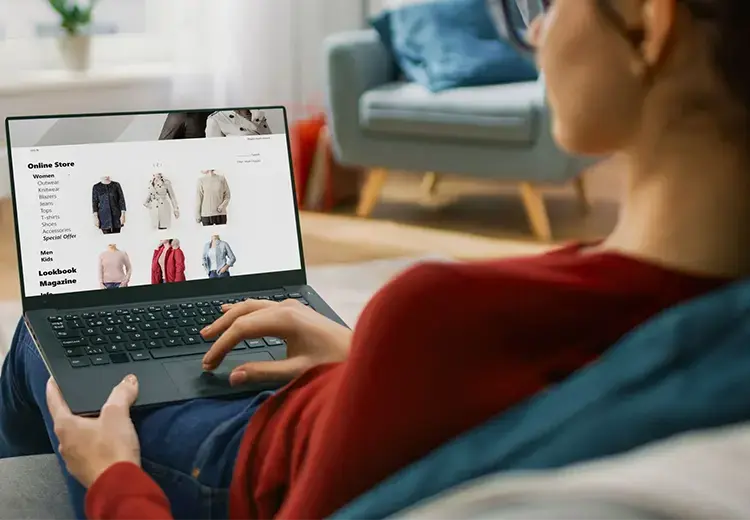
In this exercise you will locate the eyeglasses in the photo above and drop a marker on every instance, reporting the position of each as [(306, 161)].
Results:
[(514, 18)]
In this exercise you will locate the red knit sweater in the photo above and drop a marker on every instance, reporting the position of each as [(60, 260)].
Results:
[(438, 351)]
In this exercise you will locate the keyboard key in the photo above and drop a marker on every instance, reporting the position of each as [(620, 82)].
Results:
[(175, 333), (119, 358), (273, 342), (88, 315), (201, 304), (180, 351), (154, 343), (192, 331), (154, 308), (99, 340), (149, 326), (109, 330), (75, 324), (67, 335), (192, 340), (203, 321), (135, 345), (74, 342), (138, 336), (128, 328), (189, 314), (93, 351), (122, 312), (118, 338), (99, 360), (255, 343), (184, 322), (114, 349), (79, 362), (156, 334), (140, 356), (53, 319), (138, 310), (167, 324), (70, 317), (73, 352), (133, 319), (295, 295), (173, 342), (279, 297), (186, 305), (171, 307), (150, 317), (58, 325), (90, 332)]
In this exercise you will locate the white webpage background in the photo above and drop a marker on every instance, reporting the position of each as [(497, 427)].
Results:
[(261, 226)]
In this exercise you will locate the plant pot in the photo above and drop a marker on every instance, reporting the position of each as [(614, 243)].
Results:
[(75, 50)]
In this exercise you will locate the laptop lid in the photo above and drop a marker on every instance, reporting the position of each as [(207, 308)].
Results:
[(123, 208)]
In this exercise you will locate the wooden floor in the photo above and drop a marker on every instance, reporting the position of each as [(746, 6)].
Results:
[(475, 219)]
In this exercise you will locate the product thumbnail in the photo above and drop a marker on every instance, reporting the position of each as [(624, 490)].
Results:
[(218, 258), (168, 263), (114, 268), (162, 202), (213, 199), (108, 205), (237, 122)]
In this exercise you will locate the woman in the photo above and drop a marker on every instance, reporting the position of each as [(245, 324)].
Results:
[(446, 346), (218, 258)]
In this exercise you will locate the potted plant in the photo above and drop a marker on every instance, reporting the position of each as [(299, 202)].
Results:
[(75, 40)]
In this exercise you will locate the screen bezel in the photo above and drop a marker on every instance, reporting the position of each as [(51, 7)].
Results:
[(146, 293)]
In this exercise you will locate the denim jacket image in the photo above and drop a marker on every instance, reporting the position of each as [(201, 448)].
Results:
[(224, 255)]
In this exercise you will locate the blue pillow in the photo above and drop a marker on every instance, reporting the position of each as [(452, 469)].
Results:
[(447, 44)]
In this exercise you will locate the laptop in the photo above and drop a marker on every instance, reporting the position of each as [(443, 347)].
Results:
[(133, 229)]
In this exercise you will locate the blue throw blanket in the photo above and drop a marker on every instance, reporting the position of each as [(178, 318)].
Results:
[(686, 369)]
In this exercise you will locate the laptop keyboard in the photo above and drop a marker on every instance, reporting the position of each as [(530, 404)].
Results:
[(141, 334)]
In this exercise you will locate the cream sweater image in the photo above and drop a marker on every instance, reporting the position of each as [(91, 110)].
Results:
[(213, 196)]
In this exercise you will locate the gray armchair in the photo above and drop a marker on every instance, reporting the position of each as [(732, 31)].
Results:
[(497, 132)]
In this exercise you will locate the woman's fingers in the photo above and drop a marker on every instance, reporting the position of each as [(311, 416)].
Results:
[(263, 322), (281, 371), (234, 311), (58, 408)]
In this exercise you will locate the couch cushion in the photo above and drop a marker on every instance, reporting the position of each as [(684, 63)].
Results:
[(444, 44), (33, 487), (499, 113)]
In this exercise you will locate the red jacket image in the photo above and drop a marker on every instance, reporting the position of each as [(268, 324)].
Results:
[(174, 264)]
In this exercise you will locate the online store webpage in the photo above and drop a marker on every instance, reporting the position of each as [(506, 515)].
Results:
[(110, 202)]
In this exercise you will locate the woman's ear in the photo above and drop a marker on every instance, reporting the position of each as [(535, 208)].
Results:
[(658, 24)]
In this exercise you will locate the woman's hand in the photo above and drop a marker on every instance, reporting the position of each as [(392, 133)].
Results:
[(90, 446), (311, 338)]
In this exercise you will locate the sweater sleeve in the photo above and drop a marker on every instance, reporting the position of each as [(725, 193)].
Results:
[(128, 267), (108, 499)]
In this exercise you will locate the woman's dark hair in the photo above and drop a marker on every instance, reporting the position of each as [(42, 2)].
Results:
[(730, 37)]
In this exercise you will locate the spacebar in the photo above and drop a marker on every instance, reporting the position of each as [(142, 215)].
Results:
[(170, 352)]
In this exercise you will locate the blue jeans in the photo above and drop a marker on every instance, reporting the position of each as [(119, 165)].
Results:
[(216, 274), (176, 440), (111, 285)]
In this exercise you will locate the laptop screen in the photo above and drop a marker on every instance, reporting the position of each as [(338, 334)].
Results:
[(111, 202)]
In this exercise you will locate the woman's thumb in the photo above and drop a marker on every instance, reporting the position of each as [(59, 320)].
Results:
[(281, 371)]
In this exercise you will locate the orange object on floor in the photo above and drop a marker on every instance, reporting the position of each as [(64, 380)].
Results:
[(304, 138)]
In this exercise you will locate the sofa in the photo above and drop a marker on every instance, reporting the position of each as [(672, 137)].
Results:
[(382, 122)]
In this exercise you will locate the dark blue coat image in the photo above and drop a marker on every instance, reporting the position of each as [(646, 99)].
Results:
[(108, 202)]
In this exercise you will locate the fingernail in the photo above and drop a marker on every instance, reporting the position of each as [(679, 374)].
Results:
[(205, 330), (130, 378), (237, 377)]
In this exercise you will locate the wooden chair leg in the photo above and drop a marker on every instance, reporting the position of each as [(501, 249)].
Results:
[(581, 193), (536, 211), (429, 184), (370, 192)]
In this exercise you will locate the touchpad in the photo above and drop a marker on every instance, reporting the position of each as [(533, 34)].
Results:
[(192, 381)]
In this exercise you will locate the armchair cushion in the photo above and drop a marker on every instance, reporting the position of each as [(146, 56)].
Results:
[(446, 44), (497, 113)]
